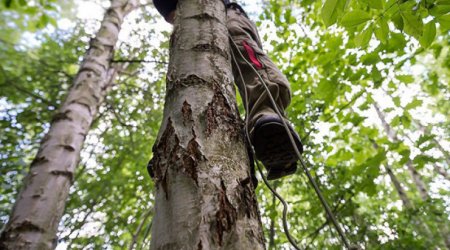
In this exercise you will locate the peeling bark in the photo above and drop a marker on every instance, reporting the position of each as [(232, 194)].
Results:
[(204, 194), (34, 220)]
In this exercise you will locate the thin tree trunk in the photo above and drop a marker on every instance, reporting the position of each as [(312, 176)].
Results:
[(398, 187), (34, 220), (415, 176), (420, 185), (441, 171), (204, 194), (143, 219)]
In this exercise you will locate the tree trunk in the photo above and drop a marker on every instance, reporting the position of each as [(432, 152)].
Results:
[(398, 187), (204, 194), (420, 185), (415, 176), (38, 209)]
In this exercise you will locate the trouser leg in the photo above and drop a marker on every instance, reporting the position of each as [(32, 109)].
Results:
[(246, 42)]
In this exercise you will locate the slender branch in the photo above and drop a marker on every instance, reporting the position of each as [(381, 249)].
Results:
[(139, 229), (316, 232), (25, 91)]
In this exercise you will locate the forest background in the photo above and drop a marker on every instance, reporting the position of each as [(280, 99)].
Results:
[(370, 81)]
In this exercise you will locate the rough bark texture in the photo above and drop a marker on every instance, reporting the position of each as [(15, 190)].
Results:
[(204, 195), (34, 220)]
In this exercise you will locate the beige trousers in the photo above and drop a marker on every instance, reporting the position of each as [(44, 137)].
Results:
[(245, 36)]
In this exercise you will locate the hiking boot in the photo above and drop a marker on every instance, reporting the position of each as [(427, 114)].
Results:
[(274, 148)]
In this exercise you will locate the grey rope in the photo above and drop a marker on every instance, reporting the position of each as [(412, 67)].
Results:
[(279, 197), (297, 152)]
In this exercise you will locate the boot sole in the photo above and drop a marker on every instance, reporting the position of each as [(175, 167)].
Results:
[(275, 150)]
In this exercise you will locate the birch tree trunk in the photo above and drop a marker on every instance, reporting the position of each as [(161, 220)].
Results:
[(417, 179), (40, 204), (204, 195), (398, 187), (420, 185)]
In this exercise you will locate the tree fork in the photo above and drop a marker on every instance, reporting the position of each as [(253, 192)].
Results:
[(204, 195), (40, 204)]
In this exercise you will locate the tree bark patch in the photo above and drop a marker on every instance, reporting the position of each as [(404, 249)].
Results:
[(211, 48), (219, 114), (169, 152), (61, 116), (164, 154), (226, 215), (247, 198), (191, 157), (187, 113), (191, 80)]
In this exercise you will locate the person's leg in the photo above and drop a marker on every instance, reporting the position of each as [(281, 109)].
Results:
[(269, 137), (244, 34)]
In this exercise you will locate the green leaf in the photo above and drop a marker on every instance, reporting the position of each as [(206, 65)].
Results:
[(396, 101), (376, 77), (405, 78), (8, 3), (440, 9), (424, 138), (374, 4), (421, 160), (413, 24), (414, 104), (371, 58), (288, 17), (405, 153), (356, 120), (354, 18), (396, 42), (330, 11), (382, 30), (398, 21), (396, 121), (363, 38), (326, 90), (429, 33), (444, 21)]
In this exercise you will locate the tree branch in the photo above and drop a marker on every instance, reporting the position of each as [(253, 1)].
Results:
[(139, 229)]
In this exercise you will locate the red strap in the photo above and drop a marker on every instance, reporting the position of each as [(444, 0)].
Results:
[(252, 55)]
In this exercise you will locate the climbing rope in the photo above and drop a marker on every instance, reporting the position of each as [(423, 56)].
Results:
[(297, 152)]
